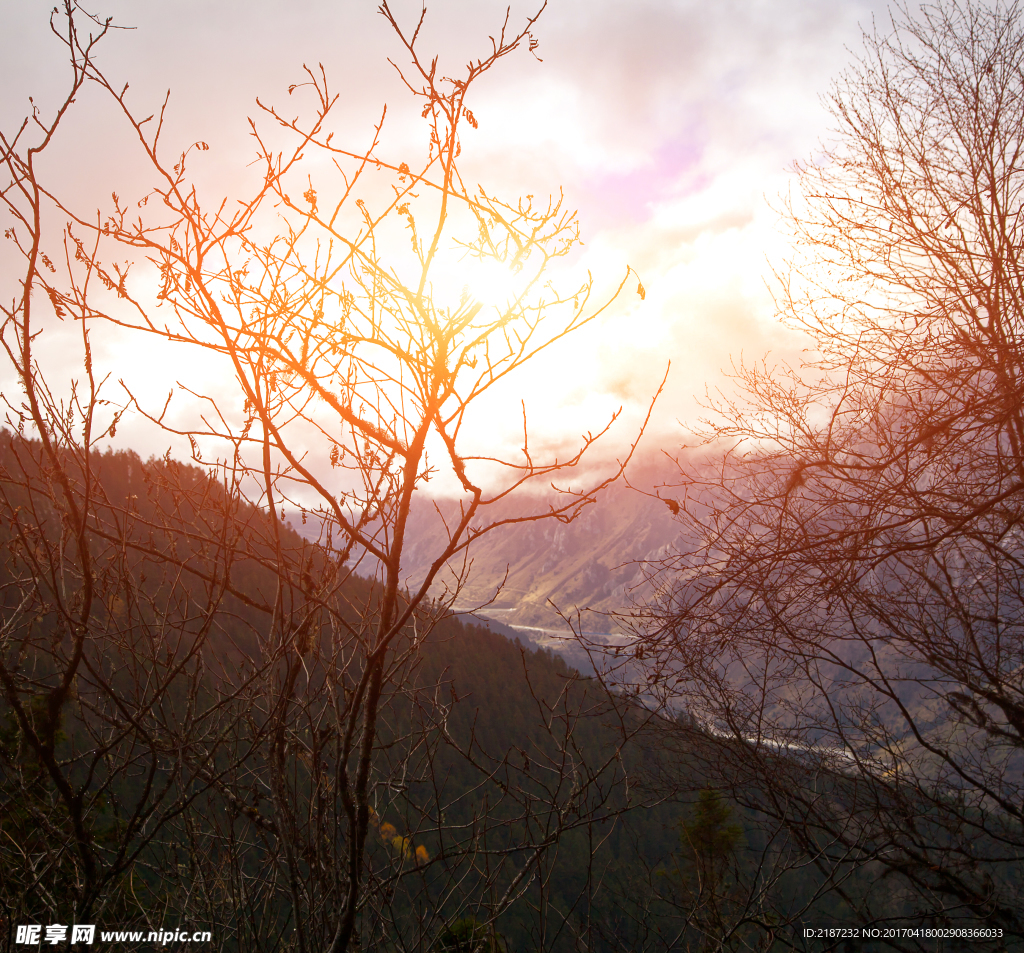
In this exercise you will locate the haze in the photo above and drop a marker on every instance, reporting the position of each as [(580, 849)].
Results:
[(671, 127)]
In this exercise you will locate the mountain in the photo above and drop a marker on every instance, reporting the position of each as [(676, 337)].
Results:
[(528, 574), (192, 771), (218, 800)]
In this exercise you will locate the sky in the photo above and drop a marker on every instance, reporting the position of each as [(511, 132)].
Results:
[(671, 125)]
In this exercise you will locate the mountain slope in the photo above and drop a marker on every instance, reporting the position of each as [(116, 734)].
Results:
[(524, 574)]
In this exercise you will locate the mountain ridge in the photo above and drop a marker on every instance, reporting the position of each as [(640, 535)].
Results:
[(536, 575)]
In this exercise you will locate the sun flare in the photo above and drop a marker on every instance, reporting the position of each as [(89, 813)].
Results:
[(486, 281)]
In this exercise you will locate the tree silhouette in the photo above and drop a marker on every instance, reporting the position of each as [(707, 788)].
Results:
[(846, 616), (286, 712)]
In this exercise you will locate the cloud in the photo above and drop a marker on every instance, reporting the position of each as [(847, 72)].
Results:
[(669, 123)]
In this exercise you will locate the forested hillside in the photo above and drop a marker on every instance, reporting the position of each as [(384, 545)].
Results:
[(511, 798)]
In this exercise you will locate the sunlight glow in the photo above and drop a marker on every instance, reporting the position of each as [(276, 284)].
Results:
[(484, 280)]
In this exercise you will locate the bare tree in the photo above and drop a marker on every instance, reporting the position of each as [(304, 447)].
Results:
[(847, 621), (321, 294), (107, 735)]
